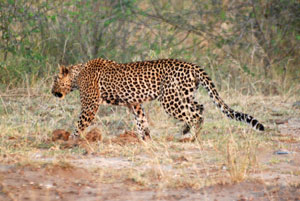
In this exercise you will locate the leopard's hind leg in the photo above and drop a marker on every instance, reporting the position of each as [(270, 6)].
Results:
[(177, 99), (193, 121)]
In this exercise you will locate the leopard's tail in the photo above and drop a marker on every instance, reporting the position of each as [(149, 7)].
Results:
[(206, 82)]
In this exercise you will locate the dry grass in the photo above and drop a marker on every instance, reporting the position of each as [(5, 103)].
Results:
[(227, 151)]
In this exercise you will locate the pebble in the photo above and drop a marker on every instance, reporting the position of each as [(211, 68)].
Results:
[(281, 152)]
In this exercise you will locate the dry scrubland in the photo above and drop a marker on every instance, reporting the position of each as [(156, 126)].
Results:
[(249, 48), (229, 162)]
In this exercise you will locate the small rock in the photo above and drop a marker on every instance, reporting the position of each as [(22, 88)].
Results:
[(281, 152)]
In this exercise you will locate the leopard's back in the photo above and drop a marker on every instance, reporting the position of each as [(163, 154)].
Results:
[(134, 82)]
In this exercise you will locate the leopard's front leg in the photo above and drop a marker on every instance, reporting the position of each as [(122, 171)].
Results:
[(89, 108), (141, 121)]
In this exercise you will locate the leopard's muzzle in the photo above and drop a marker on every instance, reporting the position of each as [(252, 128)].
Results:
[(57, 94)]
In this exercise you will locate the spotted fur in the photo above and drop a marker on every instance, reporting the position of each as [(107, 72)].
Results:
[(171, 81)]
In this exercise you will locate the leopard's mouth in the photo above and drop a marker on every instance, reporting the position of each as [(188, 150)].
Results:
[(58, 94)]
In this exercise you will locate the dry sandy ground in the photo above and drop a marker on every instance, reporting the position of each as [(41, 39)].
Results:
[(78, 182)]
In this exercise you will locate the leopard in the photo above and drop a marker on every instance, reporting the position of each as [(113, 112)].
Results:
[(172, 82)]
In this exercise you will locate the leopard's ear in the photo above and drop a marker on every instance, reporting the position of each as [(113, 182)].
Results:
[(63, 70)]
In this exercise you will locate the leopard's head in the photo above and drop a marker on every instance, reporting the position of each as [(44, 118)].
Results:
[(62, 84)]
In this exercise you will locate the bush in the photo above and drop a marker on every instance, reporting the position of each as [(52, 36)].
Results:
[(239, 41)]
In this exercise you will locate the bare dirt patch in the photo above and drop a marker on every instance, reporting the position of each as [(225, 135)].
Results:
[(94, 135), (128, 137), (290, 127), (60, 134), (228, 162), (57, 183)]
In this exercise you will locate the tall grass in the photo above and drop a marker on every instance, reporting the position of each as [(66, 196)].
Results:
[(226, 150)]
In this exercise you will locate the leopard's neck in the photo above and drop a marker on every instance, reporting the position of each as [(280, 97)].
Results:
[(75, 70)]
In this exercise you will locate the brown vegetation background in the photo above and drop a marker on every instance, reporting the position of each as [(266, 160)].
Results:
[(238, 42)]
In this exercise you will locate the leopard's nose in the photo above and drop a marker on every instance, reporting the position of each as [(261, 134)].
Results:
[(57, 94)]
